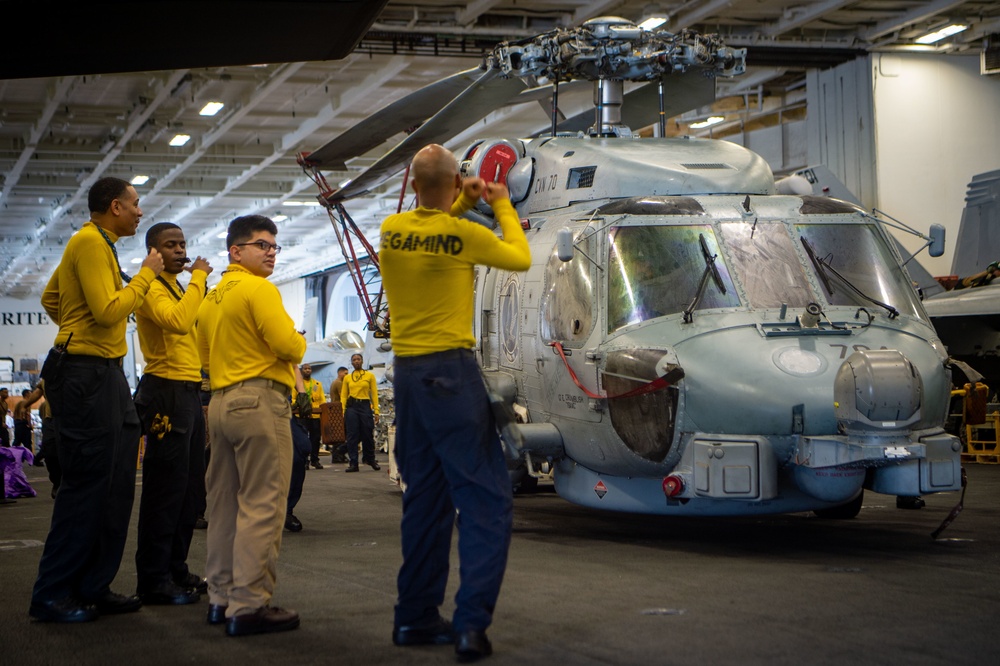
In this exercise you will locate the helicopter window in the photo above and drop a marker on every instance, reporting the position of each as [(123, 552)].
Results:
[(706, 166), (580, 177), (764, 259), (567, 303), (825, 205), (859, 254), (656, 270), (653, 206)]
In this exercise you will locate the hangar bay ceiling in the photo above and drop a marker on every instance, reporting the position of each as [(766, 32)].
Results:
[(103, 99)]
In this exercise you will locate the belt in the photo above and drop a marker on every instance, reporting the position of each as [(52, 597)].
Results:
[(437, 357), (184, 384), (357, 401), (257, 381), (94, 360)]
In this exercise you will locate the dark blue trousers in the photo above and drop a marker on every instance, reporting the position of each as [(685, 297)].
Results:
[(450, 458), (301, 447), (98, 450), (173, 473), (359, 428)]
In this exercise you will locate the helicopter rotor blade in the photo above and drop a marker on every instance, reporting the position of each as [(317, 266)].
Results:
[(485, 95), (401, 115), (544, 93)]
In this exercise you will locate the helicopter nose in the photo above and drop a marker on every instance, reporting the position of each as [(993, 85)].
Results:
[(642, 399)]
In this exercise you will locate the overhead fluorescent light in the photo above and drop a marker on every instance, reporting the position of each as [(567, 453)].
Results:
[(938, 35), (180, 139), (708, 122), (279, 218), (301, 203), (222, 234), (653, 22), (139, 180), (224, 254), (211, 109), (136, 260)]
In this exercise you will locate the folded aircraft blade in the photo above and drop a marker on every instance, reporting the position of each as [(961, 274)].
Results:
[(488, 93), (403, 114)]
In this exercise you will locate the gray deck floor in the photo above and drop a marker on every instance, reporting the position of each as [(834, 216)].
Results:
[(582, 587)]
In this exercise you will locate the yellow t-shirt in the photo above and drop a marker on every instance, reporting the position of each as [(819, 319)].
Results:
[(166, 328), (85, 295), (427, 257), (244, 332), (360, 385)]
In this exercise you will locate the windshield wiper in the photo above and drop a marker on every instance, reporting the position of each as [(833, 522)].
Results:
[(822, 266), (710, 271)]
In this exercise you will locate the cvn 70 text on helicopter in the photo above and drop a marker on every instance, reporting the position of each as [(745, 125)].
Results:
[(687, 341)]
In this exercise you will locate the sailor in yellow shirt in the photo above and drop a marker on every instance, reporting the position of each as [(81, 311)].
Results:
[(168, 400), (447, 446), (98, 441), (250, 348), (359, 398), (310, 421)]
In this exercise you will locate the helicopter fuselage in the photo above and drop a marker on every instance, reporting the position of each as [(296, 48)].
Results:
[(706, 346)]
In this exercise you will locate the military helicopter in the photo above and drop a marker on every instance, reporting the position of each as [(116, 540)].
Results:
[(686, 341)]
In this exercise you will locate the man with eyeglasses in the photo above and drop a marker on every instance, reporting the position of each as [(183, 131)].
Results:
[(168, 400), (90, 299), (250, 348)]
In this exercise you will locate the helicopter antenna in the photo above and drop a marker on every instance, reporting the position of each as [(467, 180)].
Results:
[(555, 106), (663, 112)]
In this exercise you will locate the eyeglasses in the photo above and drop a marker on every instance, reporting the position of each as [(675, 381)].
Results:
[(263, 245)]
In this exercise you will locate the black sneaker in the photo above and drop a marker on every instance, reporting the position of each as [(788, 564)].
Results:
[(351, 468), (169, 594), (193, 581), (64, 610), (111, 603), (293, 524), (262, 621)]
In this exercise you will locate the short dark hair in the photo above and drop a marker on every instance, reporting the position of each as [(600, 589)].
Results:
[(341, 368), (242, 228), (25, 392), (153, 233), (104, 191)]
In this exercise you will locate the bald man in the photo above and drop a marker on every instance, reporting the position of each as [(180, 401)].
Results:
[(447, 448)]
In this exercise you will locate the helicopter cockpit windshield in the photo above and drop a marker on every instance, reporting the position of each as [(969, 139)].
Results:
[(653, 270), (864, 270)]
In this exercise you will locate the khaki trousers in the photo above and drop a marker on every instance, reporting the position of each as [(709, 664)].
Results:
[(247, 483)]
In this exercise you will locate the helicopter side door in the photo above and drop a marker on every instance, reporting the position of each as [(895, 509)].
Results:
[(568, 314)]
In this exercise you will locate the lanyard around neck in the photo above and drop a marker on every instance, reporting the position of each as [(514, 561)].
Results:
[(125, 277), (171, 289)]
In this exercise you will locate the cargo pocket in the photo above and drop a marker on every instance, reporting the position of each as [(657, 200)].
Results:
[(242, 403)]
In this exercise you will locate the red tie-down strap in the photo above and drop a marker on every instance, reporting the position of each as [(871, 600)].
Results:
[(657, 384)]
